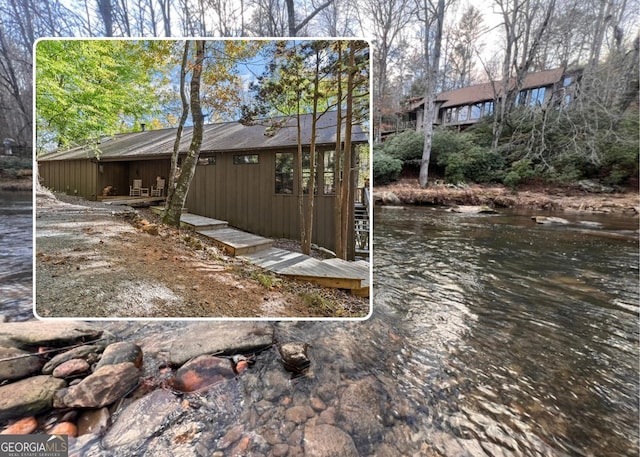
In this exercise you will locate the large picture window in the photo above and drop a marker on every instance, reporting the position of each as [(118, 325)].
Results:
[(284, 173)]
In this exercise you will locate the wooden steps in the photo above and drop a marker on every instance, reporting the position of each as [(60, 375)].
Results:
[(237, 242), (334, 273), (199, 223)]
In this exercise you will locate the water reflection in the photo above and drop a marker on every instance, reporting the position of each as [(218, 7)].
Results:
[(16, 255), (521, 339)]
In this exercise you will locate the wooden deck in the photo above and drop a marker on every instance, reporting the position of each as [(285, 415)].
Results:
[(335, 273), (135, 202)]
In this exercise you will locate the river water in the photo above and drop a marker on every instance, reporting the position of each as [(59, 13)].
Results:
[(16, 255), (520, 339), (491, 335)]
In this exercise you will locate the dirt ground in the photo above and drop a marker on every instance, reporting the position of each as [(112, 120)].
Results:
[(99, 261), (543, 198)]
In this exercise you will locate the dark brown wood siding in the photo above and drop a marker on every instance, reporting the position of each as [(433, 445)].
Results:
[(73, 177), (244, 195)]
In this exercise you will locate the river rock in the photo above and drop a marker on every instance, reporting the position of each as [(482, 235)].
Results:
[(386, 198), (71, 368), (299, 414), (294, 357), (142, 419), (549, 220), (88, 352), (64, 428), (360, 409), (28, 397), (470, 209), (93, 421), (104, 386), (220, 338), (21, 427), (121, 352), (328, 441), (17, 364), (40, 333), (589, 185), (202, 372)]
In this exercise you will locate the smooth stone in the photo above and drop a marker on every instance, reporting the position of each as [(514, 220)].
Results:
[(294, 357), (202, 372), (328, 441), (121, 352), (21, 427), (93, 421), (87, 352), (280, 450), (64, 428), (142, 419), (71, 368), (387, 198), (317, 404), (40, 333), (360, 409), (298, 414), (473, 209), (28, 397), (232, 435), (220, 338), (549, 220), (17, 364), (104, 386)]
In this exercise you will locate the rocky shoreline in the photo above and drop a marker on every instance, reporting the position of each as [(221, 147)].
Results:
[(594, 199), (22, 183), (150, 397)]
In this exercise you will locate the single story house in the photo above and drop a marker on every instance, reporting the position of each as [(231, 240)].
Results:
[(246, 175), (465, 106)]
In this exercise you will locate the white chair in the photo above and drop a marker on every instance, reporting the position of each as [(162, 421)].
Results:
[(158, 189), (136, 189)]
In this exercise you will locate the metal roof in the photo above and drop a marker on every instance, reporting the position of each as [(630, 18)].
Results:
[(227, 136), (484, 92)]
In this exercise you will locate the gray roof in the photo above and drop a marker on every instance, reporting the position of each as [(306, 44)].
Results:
[(227, 136)]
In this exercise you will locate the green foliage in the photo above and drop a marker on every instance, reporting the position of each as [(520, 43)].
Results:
[(265, 280), (89, 88), (520, 171), (476, 164), (405, 146), (386, 168)]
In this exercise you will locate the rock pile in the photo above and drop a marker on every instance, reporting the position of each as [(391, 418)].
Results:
[(69, 377)]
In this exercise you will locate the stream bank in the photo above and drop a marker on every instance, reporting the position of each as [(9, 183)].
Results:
[(407, 192)]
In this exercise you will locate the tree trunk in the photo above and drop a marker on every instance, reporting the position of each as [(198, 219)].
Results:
[(347, 173), (174, 210), (433, 69), (337, 159), (183, 119)]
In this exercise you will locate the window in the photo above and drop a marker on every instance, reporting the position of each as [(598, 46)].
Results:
[(488, 109), (243, 159), (447, 116), (207, 160), (306, 172), (535, 97), (463, 113), (329, 183), (284, 173), (476, 111)]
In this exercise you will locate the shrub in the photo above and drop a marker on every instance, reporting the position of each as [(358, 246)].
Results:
[(385, 168), (520, 171), (406, 146)]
